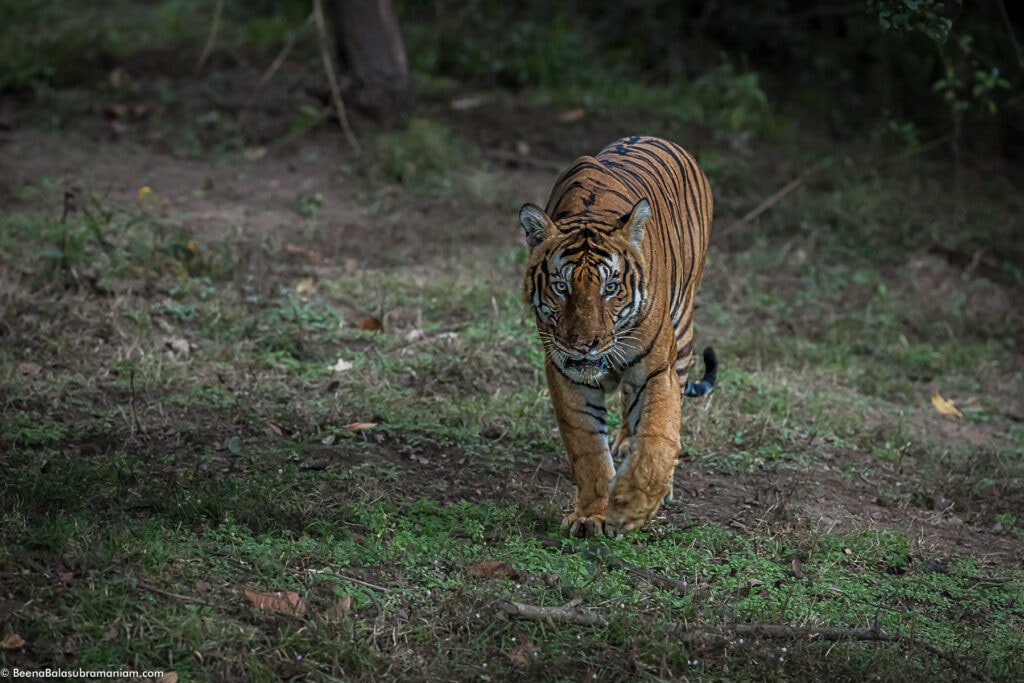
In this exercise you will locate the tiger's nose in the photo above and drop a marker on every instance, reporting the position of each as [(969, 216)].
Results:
[(584, 347)]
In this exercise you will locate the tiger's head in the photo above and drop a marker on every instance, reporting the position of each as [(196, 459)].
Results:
[(585, 283)]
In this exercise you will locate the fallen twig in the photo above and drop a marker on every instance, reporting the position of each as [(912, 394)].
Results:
[(569, 613), (332, 80), (344, 577), (916, 151), (772, 200), (168, 594)]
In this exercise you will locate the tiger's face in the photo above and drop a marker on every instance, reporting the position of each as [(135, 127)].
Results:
[(585, 289)]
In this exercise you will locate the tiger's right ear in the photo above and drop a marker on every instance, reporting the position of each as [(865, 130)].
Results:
[(536, 224)]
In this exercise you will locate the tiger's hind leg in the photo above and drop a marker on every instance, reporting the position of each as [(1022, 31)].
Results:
[(621, 443), (684, 361)]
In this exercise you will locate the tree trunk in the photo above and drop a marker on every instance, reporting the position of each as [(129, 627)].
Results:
[(376, 77)]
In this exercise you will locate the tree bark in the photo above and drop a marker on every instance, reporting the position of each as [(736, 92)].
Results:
[(376, 78)]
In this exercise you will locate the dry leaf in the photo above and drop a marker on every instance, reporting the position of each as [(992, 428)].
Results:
[(492, 569), (29, 368), (178, 345), (341, 366), (571, 116), (945, 406), (470, 102), (523, 654), (254, 153), (310, 255), (282, 602), (12, 642), (168, 677), (339, 610), (359, 426), (274, 428), (306, 286), (371, 324), (798, 568)]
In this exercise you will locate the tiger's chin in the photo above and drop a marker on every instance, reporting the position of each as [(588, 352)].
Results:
[(585, 370)]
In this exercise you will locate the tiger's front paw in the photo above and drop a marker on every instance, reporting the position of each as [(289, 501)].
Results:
[(627, 519), (583, 527), (630, 506)]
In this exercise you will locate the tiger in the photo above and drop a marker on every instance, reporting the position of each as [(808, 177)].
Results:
[(614, 262)]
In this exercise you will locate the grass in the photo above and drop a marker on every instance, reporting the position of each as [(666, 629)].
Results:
[(146, 488), (176, 428)]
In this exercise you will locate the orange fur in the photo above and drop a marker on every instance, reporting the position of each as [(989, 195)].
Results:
[(616, 258)]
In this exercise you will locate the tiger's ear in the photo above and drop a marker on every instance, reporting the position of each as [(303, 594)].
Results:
[(536, 224), (635, 221)]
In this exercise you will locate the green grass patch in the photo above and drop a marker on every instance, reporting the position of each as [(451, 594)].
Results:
[(174, 579)]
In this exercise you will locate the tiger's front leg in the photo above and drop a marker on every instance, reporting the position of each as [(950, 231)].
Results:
[(645, 478), (581, 413)]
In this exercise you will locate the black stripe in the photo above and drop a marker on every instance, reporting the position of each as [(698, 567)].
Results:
[(635, 424), (600, 417)]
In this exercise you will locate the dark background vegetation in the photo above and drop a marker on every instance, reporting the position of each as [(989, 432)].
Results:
[(239, 357)]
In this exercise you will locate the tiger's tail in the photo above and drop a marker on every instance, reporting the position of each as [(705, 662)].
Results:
[(707, 382)]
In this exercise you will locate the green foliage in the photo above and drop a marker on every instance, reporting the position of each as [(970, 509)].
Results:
[(925, 16), (730, 100), (425, 156), (30, 430), (104, 243), (964, 85)]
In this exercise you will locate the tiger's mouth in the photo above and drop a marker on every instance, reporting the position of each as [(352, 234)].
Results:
[(586, 370), (599, 364)]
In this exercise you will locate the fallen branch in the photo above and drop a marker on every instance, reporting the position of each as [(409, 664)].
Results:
[(168, 594), (772, 200), (332, 80), (727, 635), (352, 579), (917, 151), (569, 613)]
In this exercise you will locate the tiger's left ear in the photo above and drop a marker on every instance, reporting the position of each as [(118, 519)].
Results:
[(536, 224), (635, 221)]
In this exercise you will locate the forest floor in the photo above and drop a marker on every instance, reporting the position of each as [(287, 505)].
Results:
[(271, 409)]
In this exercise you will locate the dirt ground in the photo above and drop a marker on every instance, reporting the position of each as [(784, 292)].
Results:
[(253, 202)]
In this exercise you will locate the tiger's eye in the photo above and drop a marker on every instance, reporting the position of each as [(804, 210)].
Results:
[(611, 288), (560, 287)]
